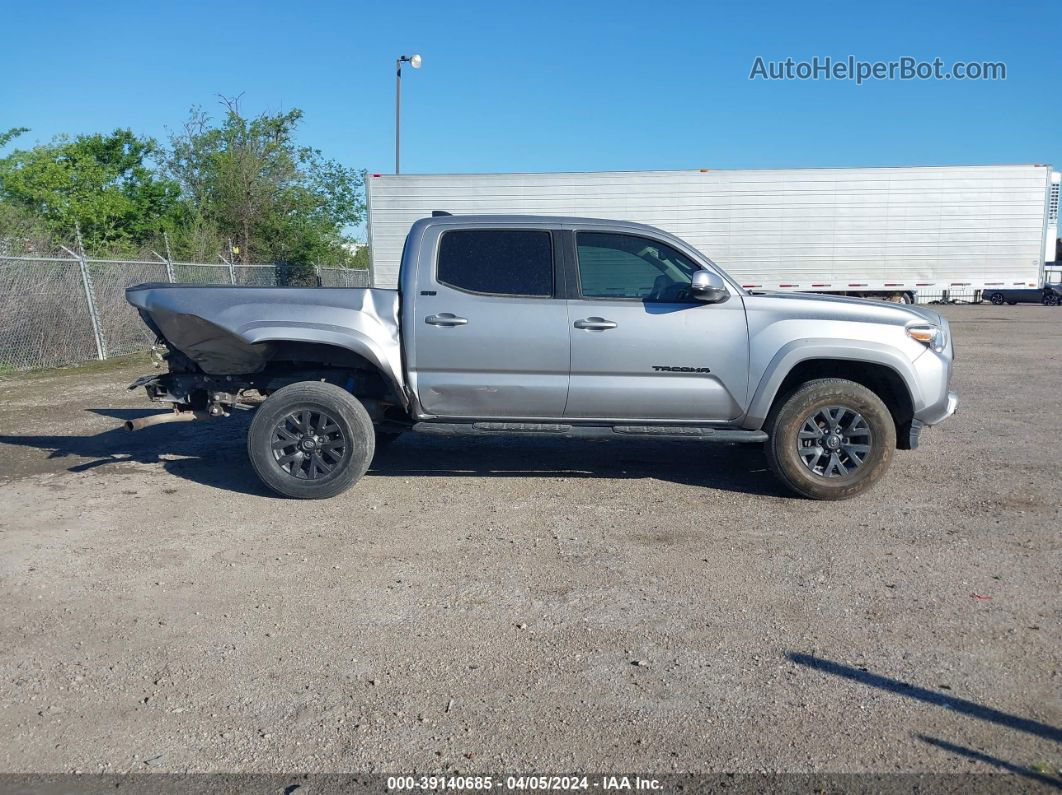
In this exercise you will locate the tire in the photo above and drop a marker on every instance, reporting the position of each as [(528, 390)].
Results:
[(322, 463), (996, 299), (1011, 303), (842, 401), (1049, 299)]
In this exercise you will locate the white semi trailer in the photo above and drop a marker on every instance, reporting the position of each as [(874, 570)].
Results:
[(889, 232)]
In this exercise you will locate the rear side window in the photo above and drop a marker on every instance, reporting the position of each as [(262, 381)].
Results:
[(497, 261)]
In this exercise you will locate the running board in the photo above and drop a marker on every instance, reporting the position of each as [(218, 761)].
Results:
[(698, 432)]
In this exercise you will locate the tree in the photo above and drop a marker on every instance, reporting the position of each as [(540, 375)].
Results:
[(253, 184), (22, 232), (103, 183), (10, 135)]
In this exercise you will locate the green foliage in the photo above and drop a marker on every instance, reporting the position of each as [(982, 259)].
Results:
[(241, 185), (103, 183), (360, 259), (275, 200), (12, 134), (22, 231)]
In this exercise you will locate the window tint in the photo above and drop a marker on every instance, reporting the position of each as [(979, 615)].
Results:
[(502, 262), (625, 266)]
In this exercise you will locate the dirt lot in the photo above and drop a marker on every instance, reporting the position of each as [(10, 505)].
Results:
[(533, 605)]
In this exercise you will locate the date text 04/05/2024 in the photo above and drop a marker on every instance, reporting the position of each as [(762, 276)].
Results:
[(523, 783)]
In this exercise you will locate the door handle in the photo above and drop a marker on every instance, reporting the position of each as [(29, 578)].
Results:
[(595, 324), (446, 319)]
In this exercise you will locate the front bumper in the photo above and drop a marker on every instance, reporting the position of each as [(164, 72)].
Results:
[(941, 411), (930, 416), (934, 398)]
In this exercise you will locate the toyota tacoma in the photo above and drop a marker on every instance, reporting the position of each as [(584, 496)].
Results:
[(550, 326)]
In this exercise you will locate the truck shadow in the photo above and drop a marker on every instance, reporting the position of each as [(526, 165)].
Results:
[(731, 467), (213, 453), (205, 452)]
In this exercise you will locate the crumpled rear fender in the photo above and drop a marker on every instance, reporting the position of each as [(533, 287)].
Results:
[(360, 341), (228, 330)]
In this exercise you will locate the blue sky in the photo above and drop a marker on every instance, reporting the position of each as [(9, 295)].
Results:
[(549, 86)]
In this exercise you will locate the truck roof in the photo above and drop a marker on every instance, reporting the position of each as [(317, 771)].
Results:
[(554, 220), (515, 218)]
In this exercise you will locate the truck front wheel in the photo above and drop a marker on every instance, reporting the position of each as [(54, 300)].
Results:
[(310, 440), (831, 439)]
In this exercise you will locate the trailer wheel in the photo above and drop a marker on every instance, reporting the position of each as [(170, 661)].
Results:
[(310, 440), (996, 298), (832, 439), (899, 298)]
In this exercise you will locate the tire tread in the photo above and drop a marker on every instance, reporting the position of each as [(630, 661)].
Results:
[(795, 406), (336, 401)]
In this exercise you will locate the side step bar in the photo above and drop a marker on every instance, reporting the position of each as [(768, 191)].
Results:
[(698, 432)]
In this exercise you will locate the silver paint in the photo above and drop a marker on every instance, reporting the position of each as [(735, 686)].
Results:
[(525, 359)]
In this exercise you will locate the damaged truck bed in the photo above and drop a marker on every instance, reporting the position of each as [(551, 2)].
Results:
[(266, 336)]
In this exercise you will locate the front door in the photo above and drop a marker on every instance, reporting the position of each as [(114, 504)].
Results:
[(490, 337), (642, 347)]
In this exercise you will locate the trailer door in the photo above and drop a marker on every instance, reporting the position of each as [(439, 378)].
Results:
[(642, 346)]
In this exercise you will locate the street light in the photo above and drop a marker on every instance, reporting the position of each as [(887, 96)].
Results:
[(414, 61)]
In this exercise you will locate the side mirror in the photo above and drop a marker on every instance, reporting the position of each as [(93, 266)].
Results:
[(708, 286)]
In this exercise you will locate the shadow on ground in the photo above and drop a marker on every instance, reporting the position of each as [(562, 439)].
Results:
[(955, 704), (212, 452), (1002, 764)]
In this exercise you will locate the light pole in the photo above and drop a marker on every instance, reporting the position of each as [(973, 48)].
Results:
[(414, 61)]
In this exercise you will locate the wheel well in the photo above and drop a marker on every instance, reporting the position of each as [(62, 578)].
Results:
[(883, 381), (290, 356)]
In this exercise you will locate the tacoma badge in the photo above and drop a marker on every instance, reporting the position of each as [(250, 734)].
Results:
[(660, 368)]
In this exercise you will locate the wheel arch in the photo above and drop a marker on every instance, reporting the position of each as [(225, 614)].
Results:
[(335, 347), (876, 367)]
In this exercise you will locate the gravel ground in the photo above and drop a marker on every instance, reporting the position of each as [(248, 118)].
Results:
[(533, 605)]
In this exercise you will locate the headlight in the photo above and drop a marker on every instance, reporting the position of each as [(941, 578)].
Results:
[(931, 336)]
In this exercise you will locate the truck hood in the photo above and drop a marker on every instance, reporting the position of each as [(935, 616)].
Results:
[(837, 307)]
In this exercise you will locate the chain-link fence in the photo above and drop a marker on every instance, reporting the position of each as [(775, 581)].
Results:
[(56, 311)]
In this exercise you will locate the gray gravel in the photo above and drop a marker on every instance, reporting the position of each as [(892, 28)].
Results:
[(533, 605)]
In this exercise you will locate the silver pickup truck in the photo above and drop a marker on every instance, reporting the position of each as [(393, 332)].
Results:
[(565, 327)]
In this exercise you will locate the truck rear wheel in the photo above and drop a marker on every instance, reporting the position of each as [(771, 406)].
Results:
[(310, 440), (831, 439)]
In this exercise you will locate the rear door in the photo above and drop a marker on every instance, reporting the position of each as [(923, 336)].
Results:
[(642, 346), (490, 336)]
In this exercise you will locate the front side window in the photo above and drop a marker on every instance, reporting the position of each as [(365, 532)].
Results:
[(627, 266), (515, 262)]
